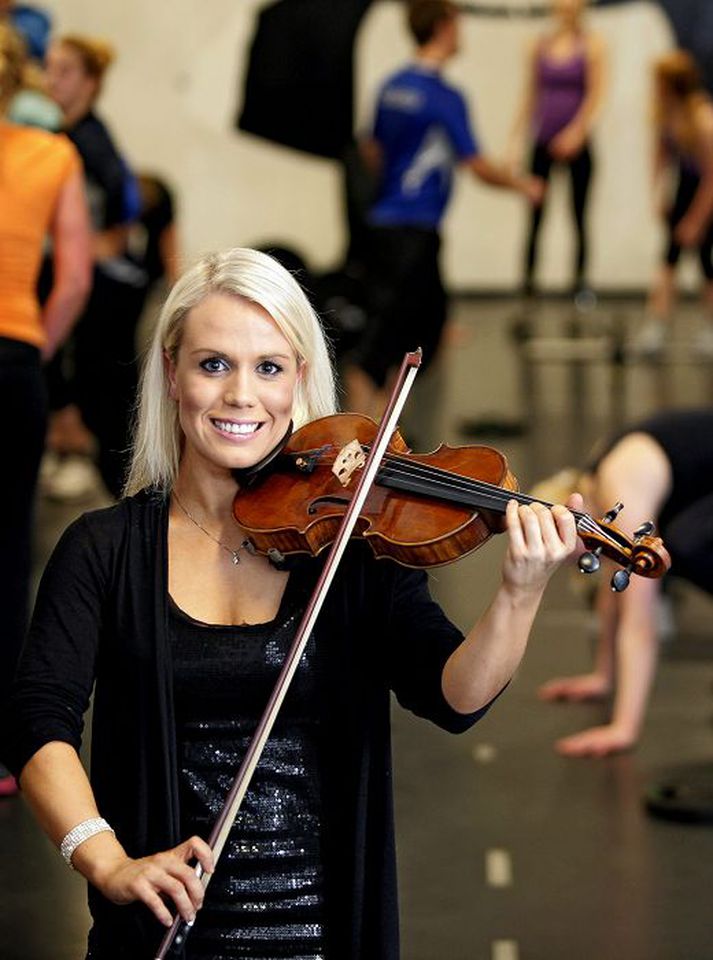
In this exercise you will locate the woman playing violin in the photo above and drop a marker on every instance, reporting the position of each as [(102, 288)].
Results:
[(159, 606)]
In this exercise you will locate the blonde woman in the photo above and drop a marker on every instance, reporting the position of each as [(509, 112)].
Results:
[(159, 604), (40, 194), (684, 148)]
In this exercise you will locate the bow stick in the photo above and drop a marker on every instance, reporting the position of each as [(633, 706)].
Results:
[(176, 936)]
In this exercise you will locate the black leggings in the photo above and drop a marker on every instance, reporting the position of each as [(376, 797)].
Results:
[(24, 403), (103, 375), (407, 300), (688, 536), (688, 183), (580, 169)]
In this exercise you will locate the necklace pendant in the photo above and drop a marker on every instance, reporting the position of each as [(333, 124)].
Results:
[(236, 558)]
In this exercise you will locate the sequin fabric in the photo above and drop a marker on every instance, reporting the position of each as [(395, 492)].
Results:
[(266, 900)]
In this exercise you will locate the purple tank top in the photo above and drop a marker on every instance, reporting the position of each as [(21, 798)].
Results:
[(561, 87)]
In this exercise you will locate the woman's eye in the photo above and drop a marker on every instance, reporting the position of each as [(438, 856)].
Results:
[(269, 367), (214, 365)]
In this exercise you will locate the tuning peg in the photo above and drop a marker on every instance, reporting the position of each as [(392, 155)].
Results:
[(589, 562), (611, 515), (644, 530), (620, 579)]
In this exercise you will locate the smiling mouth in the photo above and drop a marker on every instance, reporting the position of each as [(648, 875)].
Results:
[(233, 429)]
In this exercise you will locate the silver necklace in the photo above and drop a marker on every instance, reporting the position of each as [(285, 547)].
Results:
[(234, 554)]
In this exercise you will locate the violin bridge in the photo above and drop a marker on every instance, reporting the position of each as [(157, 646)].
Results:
[(349, 459)]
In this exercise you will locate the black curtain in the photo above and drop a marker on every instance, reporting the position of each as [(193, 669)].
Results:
[(299, 85), (692, 22)]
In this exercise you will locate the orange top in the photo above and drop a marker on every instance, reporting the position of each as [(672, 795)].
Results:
[(34, 166)]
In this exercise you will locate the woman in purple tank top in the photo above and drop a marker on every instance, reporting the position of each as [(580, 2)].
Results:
[(565, 83)]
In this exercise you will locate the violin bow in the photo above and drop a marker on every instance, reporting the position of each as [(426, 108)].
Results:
[(175, 936)]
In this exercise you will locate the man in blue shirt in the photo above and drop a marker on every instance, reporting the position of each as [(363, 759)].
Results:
[(421, 133)]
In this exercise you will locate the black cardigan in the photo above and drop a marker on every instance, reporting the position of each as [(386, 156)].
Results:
[(101, 622)]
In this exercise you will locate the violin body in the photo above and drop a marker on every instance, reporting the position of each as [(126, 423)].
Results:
[(422, 510), (298, 506)]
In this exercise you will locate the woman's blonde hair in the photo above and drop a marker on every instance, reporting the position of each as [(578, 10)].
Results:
[(256, 277), (96, 55), (13, 63), (678, 74)]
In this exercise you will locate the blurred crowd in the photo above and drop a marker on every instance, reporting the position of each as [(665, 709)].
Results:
[(88, 236)]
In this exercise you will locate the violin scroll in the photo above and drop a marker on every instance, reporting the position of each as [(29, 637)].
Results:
[(643, 554)]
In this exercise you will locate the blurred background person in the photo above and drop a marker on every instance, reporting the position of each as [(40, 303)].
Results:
[(41, 192), (565, 86), (31, 106), (421, 134), (662, 469), (683, 115), (93, 390)]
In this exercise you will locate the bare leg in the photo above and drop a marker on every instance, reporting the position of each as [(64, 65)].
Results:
[(663, 295)]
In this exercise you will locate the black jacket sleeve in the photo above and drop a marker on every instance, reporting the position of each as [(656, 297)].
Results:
[(420, 640), (57, 668)]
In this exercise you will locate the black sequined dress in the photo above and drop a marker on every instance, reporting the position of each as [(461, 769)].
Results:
[(266, 900)]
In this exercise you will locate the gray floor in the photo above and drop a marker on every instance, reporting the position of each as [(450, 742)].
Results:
[(507, 852)]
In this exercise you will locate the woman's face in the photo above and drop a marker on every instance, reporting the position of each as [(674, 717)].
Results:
[(68, 83), (234, 382), (568, 12)]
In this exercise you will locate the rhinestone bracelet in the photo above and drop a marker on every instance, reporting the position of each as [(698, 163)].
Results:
[(77, 835)]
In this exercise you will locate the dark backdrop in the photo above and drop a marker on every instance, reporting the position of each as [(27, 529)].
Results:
[(299, 87)]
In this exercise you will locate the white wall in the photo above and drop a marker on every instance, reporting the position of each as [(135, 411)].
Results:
[(172, 94)]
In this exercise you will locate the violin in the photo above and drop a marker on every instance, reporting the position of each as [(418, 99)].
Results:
[(423, 509)]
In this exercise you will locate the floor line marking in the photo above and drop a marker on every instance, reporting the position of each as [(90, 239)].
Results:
[(484, 753), (498, 868), (505, 950)]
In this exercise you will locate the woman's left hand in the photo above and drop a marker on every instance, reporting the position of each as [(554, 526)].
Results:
[(540, 539), (567, 143)]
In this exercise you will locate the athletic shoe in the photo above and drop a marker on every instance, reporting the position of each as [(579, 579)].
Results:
[(649, 341), (702, 343), (74, 479)]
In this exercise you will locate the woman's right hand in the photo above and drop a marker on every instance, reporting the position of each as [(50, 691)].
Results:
[(161, 877)]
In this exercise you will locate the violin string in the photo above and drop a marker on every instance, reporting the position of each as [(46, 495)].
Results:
[(496, 497), (491, 495)]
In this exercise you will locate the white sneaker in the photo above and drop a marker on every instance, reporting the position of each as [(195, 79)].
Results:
[(48, 467), (74, 479), (702, 343), (649, 340)]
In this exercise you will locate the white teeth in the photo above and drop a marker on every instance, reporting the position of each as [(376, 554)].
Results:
[(228, 426)]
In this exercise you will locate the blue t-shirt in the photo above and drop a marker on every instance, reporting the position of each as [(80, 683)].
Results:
[(423, 129)]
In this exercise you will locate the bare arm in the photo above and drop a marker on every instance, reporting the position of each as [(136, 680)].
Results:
[(539, 540), (372, 156), (596, 84), (170, 252), (60, 796), (694, 224), (636, 653), (523, 117), (72, 264), (498, 175)]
